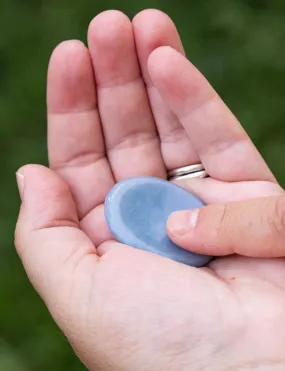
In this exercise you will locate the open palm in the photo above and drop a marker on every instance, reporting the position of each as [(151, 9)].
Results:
[(130, 105)]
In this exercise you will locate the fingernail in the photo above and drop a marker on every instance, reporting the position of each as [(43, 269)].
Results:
[(180, 222), (20, 182)]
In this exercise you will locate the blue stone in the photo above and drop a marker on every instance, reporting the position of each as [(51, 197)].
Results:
[(137, 210)]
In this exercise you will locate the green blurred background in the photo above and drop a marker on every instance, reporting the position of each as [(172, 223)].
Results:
[(237, 44)]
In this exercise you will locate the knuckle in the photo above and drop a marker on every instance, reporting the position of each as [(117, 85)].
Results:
[(224, 216), (19, 237), (277, 217), (55, 192), (217, 220)]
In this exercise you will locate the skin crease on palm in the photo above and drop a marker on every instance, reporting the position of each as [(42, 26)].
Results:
[(149, 111)]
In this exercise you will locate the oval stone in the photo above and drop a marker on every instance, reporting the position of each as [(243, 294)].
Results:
[(137, 210)]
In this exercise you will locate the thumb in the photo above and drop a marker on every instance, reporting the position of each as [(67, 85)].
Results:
[(254, 228), (47, 237)]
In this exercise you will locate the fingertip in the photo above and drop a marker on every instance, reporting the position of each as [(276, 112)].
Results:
[(182, 223), (20, 183), (160, 54), (68, 46), (32, 171), (161, 62), (160, 26), (179, 82), (47, 199), (160, 30), (107, 26), (141, 16), (70, 78), (112, 47), (35, 172), (21, 174), (177, 224), (66, 55)]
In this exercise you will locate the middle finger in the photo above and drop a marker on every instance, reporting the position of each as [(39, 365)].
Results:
[(129, 129)]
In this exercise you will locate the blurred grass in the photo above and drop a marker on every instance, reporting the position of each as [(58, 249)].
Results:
[(238, 45)]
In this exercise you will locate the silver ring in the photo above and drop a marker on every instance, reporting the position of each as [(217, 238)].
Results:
[(188, 172)]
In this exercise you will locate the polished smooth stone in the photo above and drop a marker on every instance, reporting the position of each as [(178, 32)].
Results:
[(137, 210)]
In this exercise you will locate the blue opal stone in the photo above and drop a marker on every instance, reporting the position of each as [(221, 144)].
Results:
[(137, 210)]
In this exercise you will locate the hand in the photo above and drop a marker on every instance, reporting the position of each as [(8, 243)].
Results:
[(121, 308)]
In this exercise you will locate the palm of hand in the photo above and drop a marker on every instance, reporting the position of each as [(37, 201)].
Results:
[(136, 311)]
